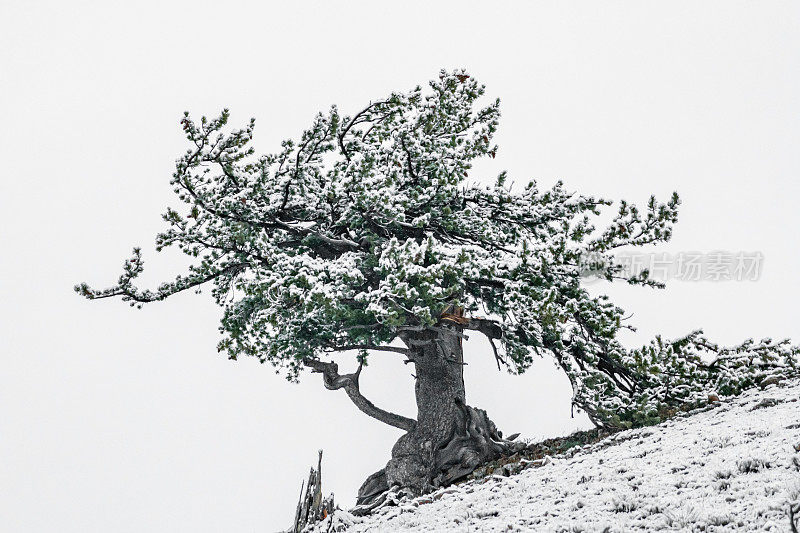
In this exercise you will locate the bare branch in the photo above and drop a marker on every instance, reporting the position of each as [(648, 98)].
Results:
[(357, 118), (346, 347), (349, 382), (496, 353)]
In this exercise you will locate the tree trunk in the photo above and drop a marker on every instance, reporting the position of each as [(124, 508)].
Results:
[(450, 439)]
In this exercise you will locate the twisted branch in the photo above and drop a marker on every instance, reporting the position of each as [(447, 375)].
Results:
[(349, 382)]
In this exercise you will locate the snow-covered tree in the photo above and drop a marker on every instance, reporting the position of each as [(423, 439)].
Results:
[(367, 234)]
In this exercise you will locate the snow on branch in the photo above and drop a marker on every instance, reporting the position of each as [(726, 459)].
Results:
[(365, 227)]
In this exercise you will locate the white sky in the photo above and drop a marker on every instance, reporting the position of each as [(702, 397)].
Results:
[(113, 419)]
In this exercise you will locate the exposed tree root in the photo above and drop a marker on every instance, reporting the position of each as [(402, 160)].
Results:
[(474, 441)]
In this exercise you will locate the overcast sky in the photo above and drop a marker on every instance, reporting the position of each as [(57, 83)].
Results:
[(113, 419)]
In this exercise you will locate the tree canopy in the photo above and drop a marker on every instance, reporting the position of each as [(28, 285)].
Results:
[(368, 225)]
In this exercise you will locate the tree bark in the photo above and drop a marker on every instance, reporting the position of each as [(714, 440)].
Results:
[(312, 507), (349, 382), (450, 439)]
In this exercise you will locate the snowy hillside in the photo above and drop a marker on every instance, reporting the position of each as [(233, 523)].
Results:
[(734, 467)]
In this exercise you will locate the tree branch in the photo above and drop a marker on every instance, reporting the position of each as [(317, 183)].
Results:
[(490, 328), (497, 358), (349, 382), (128, 291), (346, 347)]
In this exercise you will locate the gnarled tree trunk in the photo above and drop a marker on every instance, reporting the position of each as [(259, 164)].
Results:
[(450, 439)]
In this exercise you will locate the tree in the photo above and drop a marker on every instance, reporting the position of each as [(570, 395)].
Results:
[(366, 235)]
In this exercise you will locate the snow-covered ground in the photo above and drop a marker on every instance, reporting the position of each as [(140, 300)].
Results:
[(735, 467)]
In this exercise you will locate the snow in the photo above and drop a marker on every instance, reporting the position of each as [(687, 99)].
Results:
[(732, 467)]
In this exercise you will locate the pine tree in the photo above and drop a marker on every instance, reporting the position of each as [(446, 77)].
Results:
[(365, 235)]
